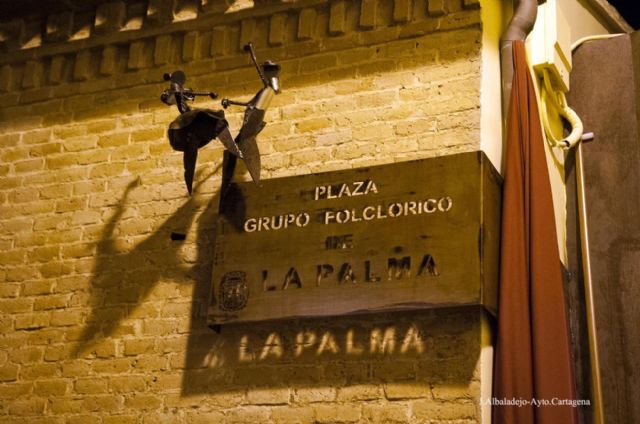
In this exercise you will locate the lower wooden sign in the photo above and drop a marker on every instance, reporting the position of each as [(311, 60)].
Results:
[(408, 235)]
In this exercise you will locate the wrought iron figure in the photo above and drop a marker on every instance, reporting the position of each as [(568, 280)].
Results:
[(253, 121), (195, 128)]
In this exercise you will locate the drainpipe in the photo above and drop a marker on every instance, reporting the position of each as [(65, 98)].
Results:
[(524, 17)]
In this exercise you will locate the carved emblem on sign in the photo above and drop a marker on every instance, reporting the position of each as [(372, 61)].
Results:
[(234, 291)]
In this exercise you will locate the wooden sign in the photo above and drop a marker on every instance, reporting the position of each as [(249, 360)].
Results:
[(408, 235)]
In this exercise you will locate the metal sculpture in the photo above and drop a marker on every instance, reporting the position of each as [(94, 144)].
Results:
[(195, 128)]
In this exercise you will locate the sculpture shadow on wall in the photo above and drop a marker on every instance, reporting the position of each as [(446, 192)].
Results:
[(233, 208), (123, 278)]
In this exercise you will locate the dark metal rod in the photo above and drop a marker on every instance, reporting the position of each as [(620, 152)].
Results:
[(249, 48), (211, 94), (227, 102)]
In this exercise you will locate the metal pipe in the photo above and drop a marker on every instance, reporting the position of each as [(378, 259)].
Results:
[(596, 388), (524, 17)]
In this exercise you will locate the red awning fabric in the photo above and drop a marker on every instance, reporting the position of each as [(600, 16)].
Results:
[(533, 359)]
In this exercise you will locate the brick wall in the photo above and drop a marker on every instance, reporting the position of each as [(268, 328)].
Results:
[(102, 314)]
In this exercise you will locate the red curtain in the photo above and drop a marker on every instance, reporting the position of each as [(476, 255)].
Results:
[(533, 359)]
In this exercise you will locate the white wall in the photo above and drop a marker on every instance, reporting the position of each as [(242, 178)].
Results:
[(582, 23), (581, 19)]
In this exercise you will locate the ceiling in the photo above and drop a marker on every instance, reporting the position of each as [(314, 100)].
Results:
[(9, 9), (14, 8)]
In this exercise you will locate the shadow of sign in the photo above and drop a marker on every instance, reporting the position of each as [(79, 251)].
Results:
[(433, 346)]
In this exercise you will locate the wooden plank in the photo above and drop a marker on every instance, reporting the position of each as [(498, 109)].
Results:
[(492, 211), (608, 70), (402, 236)]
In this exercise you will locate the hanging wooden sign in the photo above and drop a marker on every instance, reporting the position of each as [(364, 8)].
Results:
[(408, 235)]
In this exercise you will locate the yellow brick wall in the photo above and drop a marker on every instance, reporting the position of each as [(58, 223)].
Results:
[(102, 314)]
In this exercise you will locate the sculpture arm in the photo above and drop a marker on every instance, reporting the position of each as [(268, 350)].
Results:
[(228, 102)]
